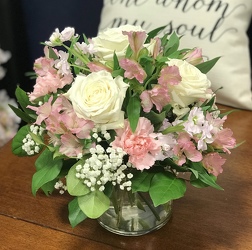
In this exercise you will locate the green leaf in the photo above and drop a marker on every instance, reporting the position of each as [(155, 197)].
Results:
[(23, 100), (133, 111), (207, 66), (172, 129), (197, 183), (75, 214), (204, 176), (75, 186), (129, 52), (118, 72), (165, 187), (208, 104), (94, 204), (49, 187), (25, 117), (47, 170), (141, 181), (209, 180), (153, 33), (52, 54), (172, 164), (116, 62), (228, 113), (155, 118), (147, 63), (172, 45), (195, 172)]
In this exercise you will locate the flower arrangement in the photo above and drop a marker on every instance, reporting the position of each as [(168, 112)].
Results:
[(9, 122), (123, 109)]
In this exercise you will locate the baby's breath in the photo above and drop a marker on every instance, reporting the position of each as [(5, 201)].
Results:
[(29, 145), (104, 165)]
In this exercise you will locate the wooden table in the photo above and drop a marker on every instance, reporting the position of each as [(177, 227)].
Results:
[(202, 219)]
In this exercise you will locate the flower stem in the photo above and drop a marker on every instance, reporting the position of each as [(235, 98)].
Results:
[(150, 206)]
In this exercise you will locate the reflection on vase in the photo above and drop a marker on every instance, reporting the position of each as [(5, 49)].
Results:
[(133, 214)]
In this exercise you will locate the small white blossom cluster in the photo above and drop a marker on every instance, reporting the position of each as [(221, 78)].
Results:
[(29, 145), (104, 134), (59, 185), (104, 166), (58, 37)]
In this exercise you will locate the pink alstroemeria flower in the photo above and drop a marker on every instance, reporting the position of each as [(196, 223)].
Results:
[(142, 146), (132, 69), (43, 65), (136, 40), (97, 66), (169, 75), (158, 96), (76, 125), (213, 162), (186, 147), (224, 140), (42, 111), (70, 146), (49, 83), (194, 56)]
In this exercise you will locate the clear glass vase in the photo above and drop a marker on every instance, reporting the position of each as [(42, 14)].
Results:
[(133, 214)]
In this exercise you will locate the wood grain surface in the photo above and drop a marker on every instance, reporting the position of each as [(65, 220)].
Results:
[(202, 219)]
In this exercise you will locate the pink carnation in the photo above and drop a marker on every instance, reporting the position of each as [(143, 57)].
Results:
[(141, 146), (212, 162)]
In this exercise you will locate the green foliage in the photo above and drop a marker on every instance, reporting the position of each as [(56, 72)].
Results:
[(172, 45), (141, 181), (153, 33), (75, 215), (52, 54), (24, 113), (94, 204), (165, 187), (47, 170), (133, 111), (23, 99), (205, 67), (49, 187), (17, 141), (75, 186), (26, 118), (201, 174)]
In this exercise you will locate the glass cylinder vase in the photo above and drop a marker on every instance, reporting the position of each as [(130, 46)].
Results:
[(133, 214)]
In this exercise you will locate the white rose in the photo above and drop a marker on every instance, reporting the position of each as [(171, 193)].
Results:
[(193, 86), (112, 40), (98, 97)]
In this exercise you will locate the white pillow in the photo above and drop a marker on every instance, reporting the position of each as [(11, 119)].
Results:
[(218, 27)]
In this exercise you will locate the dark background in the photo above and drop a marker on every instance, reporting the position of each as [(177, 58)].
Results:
[(26, 23)]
